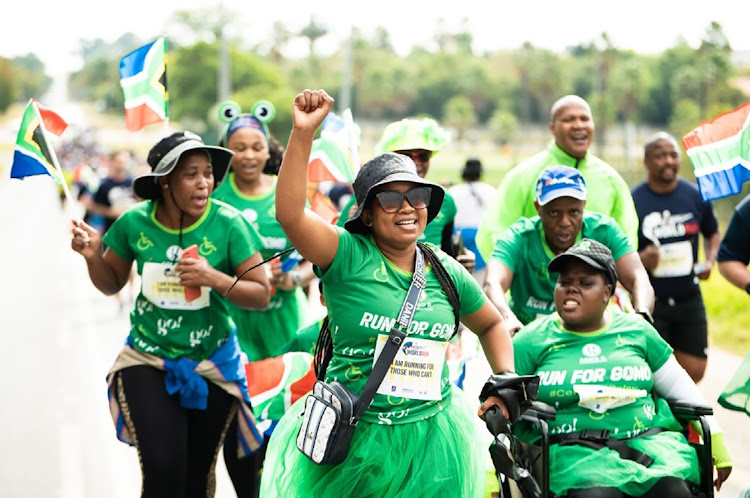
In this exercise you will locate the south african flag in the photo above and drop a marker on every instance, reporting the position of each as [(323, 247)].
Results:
[(143, 78)]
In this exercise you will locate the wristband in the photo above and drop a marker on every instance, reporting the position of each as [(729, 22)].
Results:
[(747, 288), (721, 456), (645, 314)]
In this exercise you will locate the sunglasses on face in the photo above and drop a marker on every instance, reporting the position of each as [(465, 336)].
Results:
[(392, 200), (421, 156)]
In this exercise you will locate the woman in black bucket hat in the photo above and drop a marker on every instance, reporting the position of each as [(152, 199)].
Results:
[(179, 379), (418, 436)]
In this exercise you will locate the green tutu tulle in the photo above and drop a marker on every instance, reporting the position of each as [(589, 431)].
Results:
[(576, 466), (440, 456)]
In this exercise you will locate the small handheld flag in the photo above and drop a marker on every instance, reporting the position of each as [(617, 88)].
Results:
[(33, 154), (720, 153), (143, 78)]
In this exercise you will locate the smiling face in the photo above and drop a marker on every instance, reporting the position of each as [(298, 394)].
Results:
[(250, 149), (573, 127), (562, 219), (400, 228), (662, 160), (581, 296), (190, 183)]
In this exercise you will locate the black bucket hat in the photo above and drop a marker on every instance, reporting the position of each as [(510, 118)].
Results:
[(388, 168), (591, 252), (163, 158)]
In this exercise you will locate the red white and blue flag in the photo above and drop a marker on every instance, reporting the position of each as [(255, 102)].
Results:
[(720, 153), (143, 78)]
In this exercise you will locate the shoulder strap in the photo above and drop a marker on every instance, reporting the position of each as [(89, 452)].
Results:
[(449, 287), (395, 338)]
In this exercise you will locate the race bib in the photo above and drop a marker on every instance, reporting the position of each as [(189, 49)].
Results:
[(599, 399), (161, 285), (416, 370), (676, 260)]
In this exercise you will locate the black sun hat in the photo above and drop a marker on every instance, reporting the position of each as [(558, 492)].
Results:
[(591, 252), (163, 158), (388, 168)]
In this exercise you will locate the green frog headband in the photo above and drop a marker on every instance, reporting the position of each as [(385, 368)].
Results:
[(230, 113)]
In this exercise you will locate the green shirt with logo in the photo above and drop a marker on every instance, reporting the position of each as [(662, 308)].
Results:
[(524, 250), (364, 293), (596, 380), (264, 332), (165, 321)]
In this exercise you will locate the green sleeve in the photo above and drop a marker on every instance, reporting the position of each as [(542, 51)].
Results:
[(524, 351), (509, 247), (658, 350), (471, 296), (116, 238), (624, 211), (244, 240), (503, 211)]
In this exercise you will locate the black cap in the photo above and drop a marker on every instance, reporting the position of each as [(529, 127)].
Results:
[(591, 252), (163, 158)]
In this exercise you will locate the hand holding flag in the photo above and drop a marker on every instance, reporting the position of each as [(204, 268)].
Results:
[(720, 152)]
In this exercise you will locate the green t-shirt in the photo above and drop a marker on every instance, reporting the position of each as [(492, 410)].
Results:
[(164, 322), (264, 332), (523, 249), (607, 193), (364, 292), (609, 371), (433, 232)]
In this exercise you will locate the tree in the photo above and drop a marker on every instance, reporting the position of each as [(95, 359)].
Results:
[(459, 114), (32, 81), (8, 84)]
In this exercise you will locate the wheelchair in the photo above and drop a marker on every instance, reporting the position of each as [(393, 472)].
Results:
[(523, 469)]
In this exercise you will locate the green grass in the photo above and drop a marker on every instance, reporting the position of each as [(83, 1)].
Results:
[(728, 314)]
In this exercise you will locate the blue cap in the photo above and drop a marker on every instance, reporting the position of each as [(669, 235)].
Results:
[(560, 181)]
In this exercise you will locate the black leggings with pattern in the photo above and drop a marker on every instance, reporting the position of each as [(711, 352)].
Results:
[(177, 446)]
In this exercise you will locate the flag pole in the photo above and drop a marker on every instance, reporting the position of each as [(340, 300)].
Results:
[(53, 155)]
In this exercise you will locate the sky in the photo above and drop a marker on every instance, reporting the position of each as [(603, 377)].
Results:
[(54, 28)]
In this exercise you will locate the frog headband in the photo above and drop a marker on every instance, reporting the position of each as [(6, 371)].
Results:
[(230, 113)]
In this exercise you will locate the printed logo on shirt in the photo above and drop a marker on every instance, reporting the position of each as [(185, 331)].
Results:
[(380, 274), (661, 225), (144, 243), (251, 215), (174, 252), (207, 247), (593, 354)]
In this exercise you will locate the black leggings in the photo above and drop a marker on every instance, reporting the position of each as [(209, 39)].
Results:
[(666, 487), (245, 472), (177, 446)]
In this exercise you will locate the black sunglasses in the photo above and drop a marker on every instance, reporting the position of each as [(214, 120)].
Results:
[(421, 156), (392, 200)]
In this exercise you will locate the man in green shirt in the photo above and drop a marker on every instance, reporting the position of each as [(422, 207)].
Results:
[(522, 253), (572, 126)]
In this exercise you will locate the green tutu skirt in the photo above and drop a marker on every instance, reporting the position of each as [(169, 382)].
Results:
[(439, 456), (576, 467)]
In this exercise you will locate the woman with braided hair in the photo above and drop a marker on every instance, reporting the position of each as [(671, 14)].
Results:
[(417, 437)]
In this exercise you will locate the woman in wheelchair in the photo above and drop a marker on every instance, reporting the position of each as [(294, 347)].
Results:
[(609, 376)]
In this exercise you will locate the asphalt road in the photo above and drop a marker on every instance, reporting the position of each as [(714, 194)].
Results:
[(59, 336)]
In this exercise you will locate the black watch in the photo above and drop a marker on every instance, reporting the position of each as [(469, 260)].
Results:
[(646, 314), (747, 288)]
